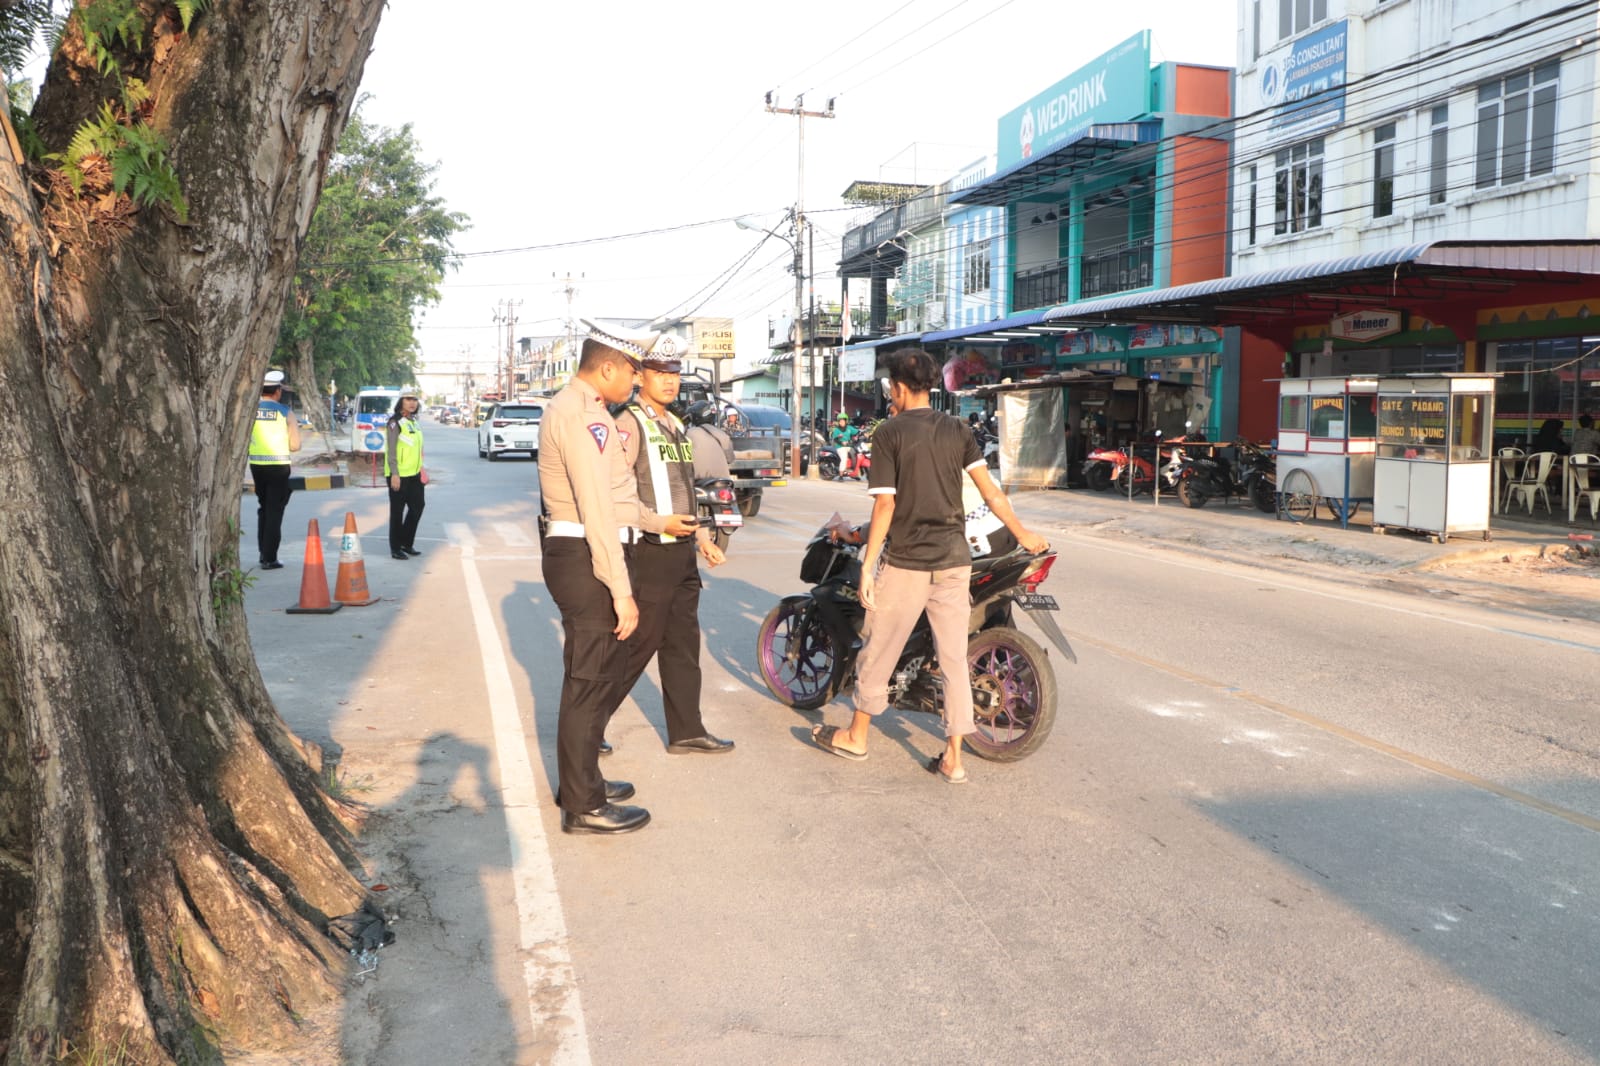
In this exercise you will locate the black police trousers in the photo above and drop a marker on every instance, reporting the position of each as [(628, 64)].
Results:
[(272, 497), (594, 669), (668, 591), (405, 511)]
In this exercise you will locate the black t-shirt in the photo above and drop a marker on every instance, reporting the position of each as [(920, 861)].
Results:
[(921, 456)]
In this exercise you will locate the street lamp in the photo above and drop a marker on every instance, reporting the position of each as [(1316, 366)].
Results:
[(794, 341)]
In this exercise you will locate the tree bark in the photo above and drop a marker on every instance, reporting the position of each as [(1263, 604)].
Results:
[(167, 861)]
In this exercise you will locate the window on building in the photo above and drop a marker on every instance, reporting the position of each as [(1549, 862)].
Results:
[(1297, 188), (1438, 153), (1297, 16), (1254, 195), (1383, 171), (1517, 126), (975, 278)]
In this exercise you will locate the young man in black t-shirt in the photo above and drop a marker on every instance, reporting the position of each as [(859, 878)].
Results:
[(919, 458)]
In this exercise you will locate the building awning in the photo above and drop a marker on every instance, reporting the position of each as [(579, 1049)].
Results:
[(1436, 271), (893, 338), (1089, 145), (1017, 323)]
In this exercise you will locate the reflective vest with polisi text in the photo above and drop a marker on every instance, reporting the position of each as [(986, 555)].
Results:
[(407, 450), (269, 436), (664, 467)]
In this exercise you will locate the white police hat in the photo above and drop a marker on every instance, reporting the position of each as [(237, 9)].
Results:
[(274, 377), (633, 343), (667, 355)]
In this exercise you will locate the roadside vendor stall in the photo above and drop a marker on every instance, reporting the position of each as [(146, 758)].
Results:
[(1327, 437), (1434, 466)]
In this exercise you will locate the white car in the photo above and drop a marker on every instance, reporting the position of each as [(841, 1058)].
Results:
[(510, 427)]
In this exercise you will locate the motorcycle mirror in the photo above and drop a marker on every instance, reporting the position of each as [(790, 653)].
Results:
[(1158, 434), (1186, 425), (883, 383)]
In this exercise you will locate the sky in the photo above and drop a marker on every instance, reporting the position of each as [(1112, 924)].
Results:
[(562, 130)]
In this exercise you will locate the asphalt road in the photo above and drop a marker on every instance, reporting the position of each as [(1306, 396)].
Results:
[(1283, 817)]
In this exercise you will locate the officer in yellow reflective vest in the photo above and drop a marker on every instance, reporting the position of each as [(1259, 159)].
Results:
[(273, 438), (668, 577), (402, 466)]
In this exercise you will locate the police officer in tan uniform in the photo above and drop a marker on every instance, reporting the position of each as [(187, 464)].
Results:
[(668, 585), (589, 522)]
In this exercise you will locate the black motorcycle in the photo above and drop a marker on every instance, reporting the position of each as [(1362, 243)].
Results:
[(806, 647), (1258, 473), (1203, 474), (717, 506)]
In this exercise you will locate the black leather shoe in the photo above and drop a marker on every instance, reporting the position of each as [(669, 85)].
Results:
[(411, 551), (706, 745), (402, 556), (606, 748), (274, 565), (607, 819), (618, 790)]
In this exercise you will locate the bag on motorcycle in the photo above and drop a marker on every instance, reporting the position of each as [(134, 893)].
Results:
[(818, 564)]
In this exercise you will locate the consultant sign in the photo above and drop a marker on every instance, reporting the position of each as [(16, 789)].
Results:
[(1113, 88), (1302, 84)]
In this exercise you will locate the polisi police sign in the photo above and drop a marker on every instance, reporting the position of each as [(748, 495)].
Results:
[(1368, 325)]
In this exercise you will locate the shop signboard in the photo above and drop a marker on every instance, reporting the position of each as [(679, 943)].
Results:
[(1115, 87), (1368, 325), (1148, 337), (713, 337), (858, 365), (1410, 427), (1301, 84)]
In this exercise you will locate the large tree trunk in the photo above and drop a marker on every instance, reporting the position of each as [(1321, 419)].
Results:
[(166, 859)]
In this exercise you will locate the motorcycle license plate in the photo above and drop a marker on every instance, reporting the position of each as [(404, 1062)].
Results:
[(1037, 601), (730, 521)]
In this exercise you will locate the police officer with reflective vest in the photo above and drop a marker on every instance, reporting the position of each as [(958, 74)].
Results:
[(273, 438), (402, 468), (668, 585), (588, 524)]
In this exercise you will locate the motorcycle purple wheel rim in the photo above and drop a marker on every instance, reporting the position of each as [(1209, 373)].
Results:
[(799, 679), (1019, 696)]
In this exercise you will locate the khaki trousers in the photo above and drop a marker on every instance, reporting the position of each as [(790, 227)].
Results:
[(902, 596)]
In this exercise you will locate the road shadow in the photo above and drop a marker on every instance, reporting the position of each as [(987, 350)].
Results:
[(1500, 894), (442, 848)]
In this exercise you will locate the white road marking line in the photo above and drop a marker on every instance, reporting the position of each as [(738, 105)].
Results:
[(554, 1005), (460, 535), (513, 535)]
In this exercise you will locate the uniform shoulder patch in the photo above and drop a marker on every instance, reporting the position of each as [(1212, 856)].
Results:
[(624, 435), (601, 433)]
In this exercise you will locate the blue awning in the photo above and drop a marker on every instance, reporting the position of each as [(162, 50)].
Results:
[(1082, 149), (1017, 321)]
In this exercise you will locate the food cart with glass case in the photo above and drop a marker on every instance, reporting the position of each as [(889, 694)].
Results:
[(1327, 435), (1434, 466)]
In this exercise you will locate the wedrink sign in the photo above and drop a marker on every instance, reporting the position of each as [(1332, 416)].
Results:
[(1112, 88)]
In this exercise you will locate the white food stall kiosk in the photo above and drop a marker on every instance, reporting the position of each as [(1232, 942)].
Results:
[(1434, 467)]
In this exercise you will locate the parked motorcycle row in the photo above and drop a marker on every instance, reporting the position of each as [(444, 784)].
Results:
[(1191, 469)]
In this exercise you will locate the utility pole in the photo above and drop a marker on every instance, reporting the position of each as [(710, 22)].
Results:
[(799, 112), (506, 314), (572, 332)]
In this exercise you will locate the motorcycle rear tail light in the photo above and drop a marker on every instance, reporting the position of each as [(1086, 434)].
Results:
[(1035, 575), (724, 495)]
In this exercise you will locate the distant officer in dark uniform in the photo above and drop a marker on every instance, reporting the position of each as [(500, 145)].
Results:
[(273, 437), (591, 513), (668, 582)]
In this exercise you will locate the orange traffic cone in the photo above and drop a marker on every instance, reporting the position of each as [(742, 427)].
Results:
[(350, 587), (314, 578)]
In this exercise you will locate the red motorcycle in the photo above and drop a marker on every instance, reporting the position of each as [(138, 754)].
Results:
[(1104, 468)]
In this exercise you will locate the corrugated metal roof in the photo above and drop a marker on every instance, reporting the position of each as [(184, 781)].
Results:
[(1018, 321), (896, 338), (1083, 147), (1546, 257)]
